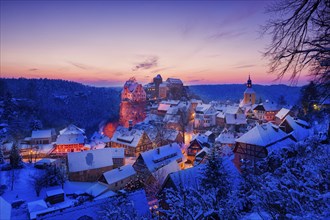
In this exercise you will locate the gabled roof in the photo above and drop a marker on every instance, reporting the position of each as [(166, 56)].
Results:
[(163, 107), (263, 135), (174, 81), (72, 129), (300, 128), (235, 119), (202, 139), (42, 133), (128, 137), (187, 178), (226, 137), (119, 174), (71, 135), (205, 109), (87, 160), (159, 157), (282, 113)]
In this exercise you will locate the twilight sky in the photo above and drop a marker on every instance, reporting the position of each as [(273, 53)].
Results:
[(104, 43)]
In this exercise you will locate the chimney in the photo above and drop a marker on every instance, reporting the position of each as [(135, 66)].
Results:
[(158, 151), (130, 124)]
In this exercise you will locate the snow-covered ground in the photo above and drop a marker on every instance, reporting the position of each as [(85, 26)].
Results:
[(23, 189)]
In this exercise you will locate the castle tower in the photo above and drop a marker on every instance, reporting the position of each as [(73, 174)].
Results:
[(249, 94), (132, 105)]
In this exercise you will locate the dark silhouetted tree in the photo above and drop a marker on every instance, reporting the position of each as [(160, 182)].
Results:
[(300, 32)]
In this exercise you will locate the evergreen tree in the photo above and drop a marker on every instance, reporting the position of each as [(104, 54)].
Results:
[(215, 182), (15, 157), (309, 95)]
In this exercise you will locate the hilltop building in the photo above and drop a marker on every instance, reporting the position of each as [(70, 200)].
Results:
[(133, 102), (249, 94)]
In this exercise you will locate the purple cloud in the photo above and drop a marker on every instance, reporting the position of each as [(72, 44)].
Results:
[(149, 63)]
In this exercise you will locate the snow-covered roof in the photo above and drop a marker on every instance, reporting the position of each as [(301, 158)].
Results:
[(221, 115), (202, 139), (117, 152), (159, 157), (163, 107), (119, 174), (105, 195), (72, 129), (171, 102), (71, 135), (161, 174), (46, 161), (226, 137), (204, 109), (91, 159), (5, 208), (174, 81), (235, 119), (267, 106), (128, 137), (97, 189), (171, 134), (41, 133), (54, 192), (282, 113), (280, 145), (205, 150), (300, 128), (188, 178), (263, 135), (37, 206)]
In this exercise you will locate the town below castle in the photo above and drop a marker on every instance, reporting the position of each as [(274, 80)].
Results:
[(162, 141)]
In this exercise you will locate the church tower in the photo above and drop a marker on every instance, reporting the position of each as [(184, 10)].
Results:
[(249, 94)]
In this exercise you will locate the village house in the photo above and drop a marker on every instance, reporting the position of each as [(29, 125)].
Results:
[(280, 116), (88, 166), (43, 137), (205, 116), (117, 179), (266, 111), (70, 139), (297, 128), (197, 143), (254, 144), (137, 206), (134, 141), (151, 161), (226, 138)]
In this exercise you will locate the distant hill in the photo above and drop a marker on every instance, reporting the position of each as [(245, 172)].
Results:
[(234, 92), (57, 103)]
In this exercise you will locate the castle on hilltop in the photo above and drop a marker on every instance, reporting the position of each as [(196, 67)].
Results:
[(133, 103)]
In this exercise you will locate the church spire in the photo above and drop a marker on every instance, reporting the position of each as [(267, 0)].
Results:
[(249, 82)]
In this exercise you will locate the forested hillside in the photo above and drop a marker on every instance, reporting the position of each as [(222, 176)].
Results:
[(234, 92), (55, 103)]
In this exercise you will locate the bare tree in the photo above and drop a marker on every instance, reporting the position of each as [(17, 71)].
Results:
[(38, 182), (12, 177), (300, 39)]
